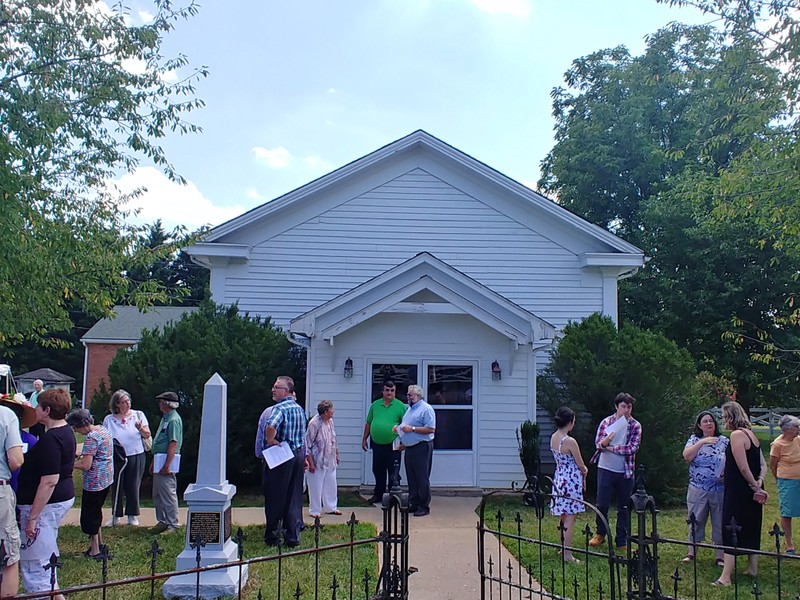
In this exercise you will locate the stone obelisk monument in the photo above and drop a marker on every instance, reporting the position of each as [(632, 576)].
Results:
[(209, 501)]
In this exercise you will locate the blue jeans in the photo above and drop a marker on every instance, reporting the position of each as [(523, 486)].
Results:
[(611, 484)]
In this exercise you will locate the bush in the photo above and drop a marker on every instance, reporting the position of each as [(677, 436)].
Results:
[(247, 352), (529, 441), (594, 361)]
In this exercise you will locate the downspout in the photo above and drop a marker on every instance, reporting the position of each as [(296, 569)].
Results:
[(85, 372), (303, 342)]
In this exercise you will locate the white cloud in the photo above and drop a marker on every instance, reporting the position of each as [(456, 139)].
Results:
[(145, 16), (277, 158), (171, 202), (317, 163), (134, 65), (253, 194), (515, 8)]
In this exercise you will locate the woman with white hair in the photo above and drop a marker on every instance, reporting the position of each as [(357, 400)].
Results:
[(322, 456), (784, 462)]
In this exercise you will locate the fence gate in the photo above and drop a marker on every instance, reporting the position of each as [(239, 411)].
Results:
[(521, 520)]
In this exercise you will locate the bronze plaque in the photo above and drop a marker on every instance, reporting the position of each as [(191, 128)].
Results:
[(205, 524), (228, 523)]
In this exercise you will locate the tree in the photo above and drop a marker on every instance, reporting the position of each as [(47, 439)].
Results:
[(642, 145), (625, 125), (594, 361), (185, 281), (83, 95), (247, 352), (762, 184)]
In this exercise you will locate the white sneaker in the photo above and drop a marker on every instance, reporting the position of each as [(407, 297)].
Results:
[(112, 522), (133, 521)]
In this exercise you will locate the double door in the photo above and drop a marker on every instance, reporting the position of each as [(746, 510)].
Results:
[(450, 389)]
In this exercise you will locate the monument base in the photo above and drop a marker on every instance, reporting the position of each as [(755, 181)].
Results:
[(222, 583)]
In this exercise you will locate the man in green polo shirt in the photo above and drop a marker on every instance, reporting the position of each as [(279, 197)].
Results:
[(383, 415), (167, 443)]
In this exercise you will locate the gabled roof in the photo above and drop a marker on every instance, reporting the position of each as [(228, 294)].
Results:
[(46, 375), (424, 272), (128, 322), (444, 152)]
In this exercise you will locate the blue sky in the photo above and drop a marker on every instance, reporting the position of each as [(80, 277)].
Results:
[(298, 88)]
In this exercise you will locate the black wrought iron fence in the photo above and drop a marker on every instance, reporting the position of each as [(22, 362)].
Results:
[(519, 556), (389, 582)]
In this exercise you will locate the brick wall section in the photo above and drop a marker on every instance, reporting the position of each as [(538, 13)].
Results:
[(98, 358)]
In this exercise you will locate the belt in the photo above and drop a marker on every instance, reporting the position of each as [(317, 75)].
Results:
[(5, 482)]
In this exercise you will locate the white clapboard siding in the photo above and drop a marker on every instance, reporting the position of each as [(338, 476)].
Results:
[(295, 254), (341, 248), (500, 406)]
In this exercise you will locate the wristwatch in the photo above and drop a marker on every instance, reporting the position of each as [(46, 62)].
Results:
[(414, 429)]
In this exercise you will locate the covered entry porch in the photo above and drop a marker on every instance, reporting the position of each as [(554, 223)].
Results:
[(424, 322)]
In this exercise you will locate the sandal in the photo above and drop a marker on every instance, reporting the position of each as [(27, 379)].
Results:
[(719, 583), (334, 512), (687, 559), (573, 560), (790, 551), (720, 562)]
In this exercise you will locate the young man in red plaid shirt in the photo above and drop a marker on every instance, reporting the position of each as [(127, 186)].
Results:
[(616, 462)]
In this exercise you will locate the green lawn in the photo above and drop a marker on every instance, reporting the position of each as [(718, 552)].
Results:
[(671, 524), (129, 547)]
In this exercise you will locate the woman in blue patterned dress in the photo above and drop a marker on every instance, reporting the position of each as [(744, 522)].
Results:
[(97, 463), (569, 480), (705, 453)]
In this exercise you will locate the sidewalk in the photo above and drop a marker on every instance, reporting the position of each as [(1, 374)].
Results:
[(443, 545)]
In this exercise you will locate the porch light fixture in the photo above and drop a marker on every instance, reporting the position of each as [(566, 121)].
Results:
[(348, 368), (497, 373)]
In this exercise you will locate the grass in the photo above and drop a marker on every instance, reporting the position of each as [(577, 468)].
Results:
[(129, 547), (671, 524)]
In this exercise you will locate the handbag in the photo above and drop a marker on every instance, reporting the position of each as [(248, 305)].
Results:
[(147, 442)]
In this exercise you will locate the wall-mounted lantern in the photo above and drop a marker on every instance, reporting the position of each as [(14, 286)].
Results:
[(348, 368), (497, 373)]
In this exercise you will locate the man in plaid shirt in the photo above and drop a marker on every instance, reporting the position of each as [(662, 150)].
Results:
[(616, 451), (283, 485)]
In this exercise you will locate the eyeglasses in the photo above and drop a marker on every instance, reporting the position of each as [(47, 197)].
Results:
[(279, 387), (388, 390)]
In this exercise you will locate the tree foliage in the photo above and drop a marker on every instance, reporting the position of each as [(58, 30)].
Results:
[(84, 94), (762, 185), (594, 361), (643, 145), (186, 284), (626, 125), (248, 353)]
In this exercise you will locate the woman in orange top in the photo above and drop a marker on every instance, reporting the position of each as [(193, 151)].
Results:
[(784, 462)]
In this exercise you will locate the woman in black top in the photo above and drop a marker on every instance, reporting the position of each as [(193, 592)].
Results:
[(46, 492)]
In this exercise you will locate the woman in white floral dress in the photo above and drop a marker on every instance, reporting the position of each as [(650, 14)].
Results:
[(569, 480)]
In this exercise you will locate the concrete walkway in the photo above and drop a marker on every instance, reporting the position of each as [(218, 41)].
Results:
[(443, 545)]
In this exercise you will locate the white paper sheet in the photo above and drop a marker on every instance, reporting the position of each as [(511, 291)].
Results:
[(277, 455), (159, 460), (620, 429)]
